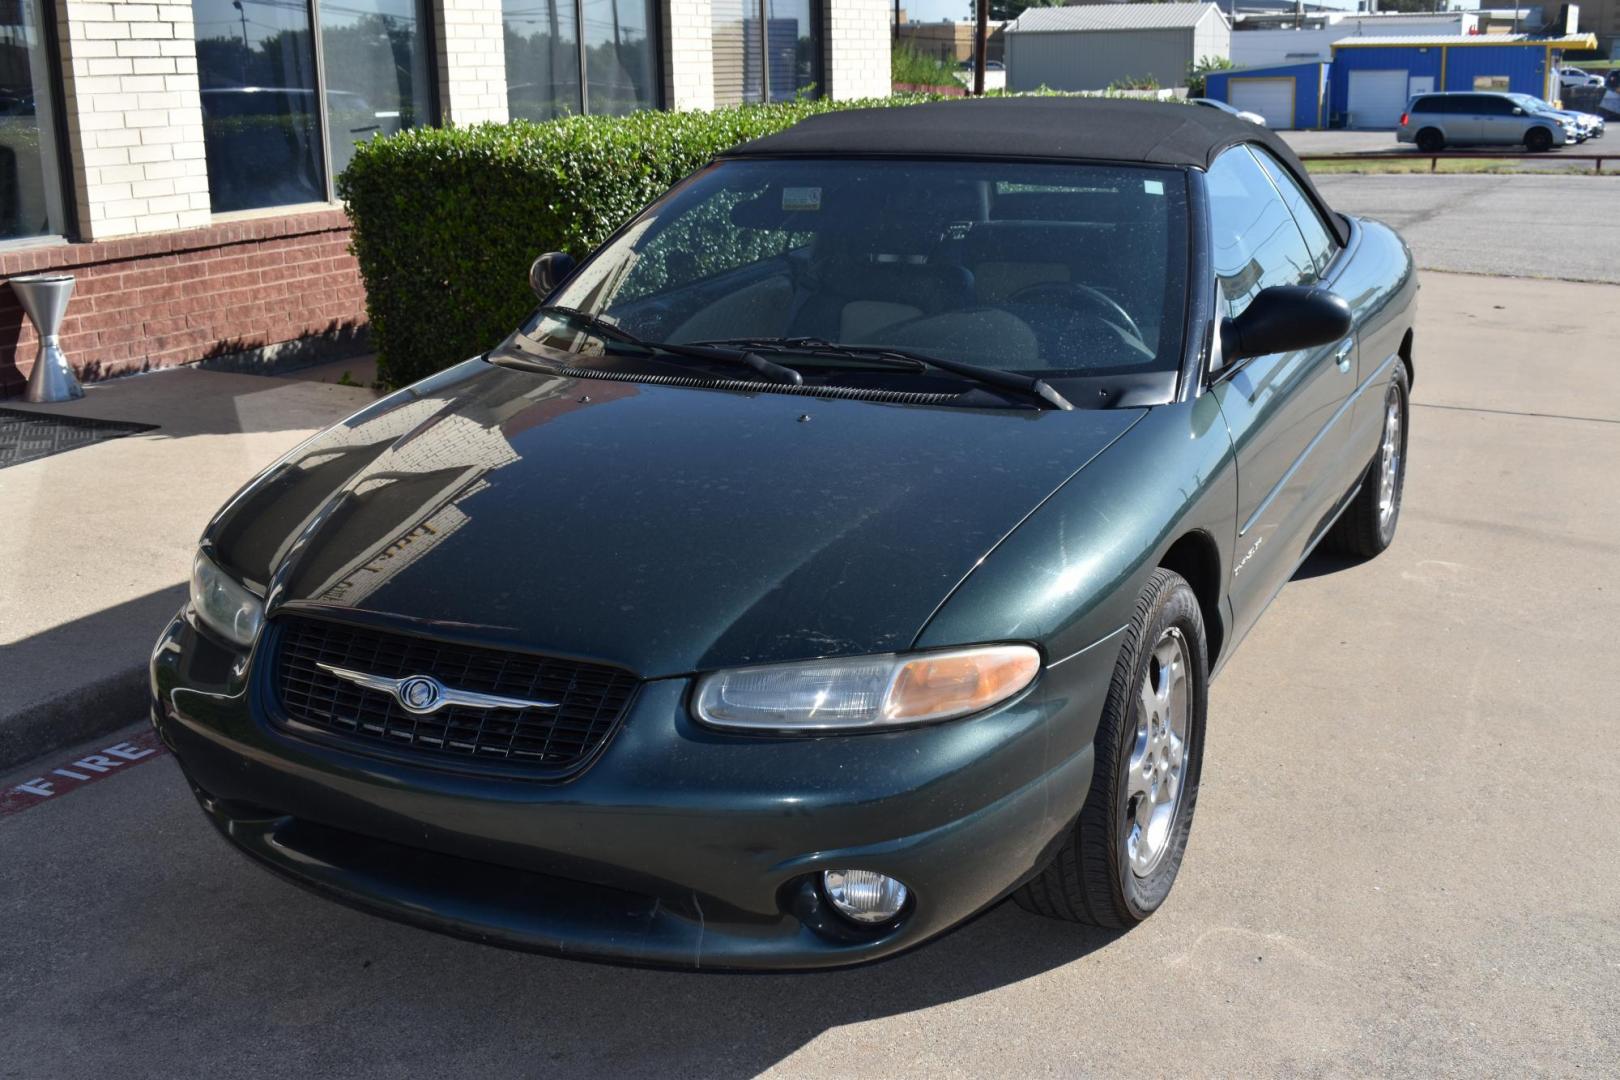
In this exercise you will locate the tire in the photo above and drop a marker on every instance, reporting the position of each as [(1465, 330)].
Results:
[(1538, 140), (1430, 141), (1094, 877), (1365, 529)]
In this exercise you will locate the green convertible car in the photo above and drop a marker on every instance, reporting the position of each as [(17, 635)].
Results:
[(844, 546)]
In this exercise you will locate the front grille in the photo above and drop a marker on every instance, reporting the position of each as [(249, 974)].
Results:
[(591, 697)]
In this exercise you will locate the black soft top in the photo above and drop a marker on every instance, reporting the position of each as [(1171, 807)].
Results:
[(1060, 128)]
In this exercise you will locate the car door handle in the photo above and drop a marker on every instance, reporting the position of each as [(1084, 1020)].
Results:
[(1341, 355)]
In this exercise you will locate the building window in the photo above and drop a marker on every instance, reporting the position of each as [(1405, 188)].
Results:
[(30, 184), (546, 50), (1492, 82), (258, 70), (765, 50), (376, 66)]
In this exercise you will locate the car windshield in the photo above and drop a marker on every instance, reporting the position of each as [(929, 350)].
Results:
[(1533, 104), (1049, 269)]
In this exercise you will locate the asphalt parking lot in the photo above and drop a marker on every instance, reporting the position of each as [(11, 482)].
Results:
[(1403, 861), (1565, 227)]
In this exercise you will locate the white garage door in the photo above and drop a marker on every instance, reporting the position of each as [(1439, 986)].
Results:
[(1377, 98), (1271, 98)]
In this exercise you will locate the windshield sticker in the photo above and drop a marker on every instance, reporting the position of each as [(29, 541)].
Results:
[(1153, 187), (801, 198)]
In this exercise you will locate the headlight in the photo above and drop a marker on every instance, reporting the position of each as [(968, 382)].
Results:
[(223, 605), (865, 692)]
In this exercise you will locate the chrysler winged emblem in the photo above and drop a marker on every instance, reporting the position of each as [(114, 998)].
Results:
[(423, 694)]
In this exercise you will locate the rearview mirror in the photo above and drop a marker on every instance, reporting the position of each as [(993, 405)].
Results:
[(548, 272), (1284, 318)]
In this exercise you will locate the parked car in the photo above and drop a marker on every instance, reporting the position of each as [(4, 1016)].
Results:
[(847, 544), (1211, 103), (1435, 121), (1577, 77), (1587, 125)]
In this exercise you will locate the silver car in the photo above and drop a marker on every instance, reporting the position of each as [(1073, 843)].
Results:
[(1435, 121), (1587, 125)]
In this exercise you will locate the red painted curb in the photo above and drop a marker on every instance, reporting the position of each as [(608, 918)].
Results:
[(55, 782)]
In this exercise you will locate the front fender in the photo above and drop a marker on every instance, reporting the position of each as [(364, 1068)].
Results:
[(1070, 574)]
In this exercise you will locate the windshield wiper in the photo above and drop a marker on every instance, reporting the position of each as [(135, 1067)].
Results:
[(811, 346), (702, 351)]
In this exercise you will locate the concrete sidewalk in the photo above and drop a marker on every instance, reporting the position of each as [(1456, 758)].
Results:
[(100, 538)]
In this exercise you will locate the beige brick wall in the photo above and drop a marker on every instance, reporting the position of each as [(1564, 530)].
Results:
[(857, 48), (689, 54), (472, 61), (134, 117)]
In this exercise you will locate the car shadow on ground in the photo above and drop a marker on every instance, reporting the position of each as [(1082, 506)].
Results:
[(1322, 563), (266, 962)]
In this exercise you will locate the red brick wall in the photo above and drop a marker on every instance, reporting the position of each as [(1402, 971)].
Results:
[(173, 298)]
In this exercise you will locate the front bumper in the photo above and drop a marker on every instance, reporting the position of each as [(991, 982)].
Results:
[(679, 846)]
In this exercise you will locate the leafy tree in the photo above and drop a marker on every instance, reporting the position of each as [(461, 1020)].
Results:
[(1202, 67), (1001, 10)]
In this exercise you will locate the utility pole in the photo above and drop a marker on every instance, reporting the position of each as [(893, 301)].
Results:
[(246, 48), (981, 41)]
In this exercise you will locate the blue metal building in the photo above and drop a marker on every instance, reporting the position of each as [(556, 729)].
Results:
[(1372, 78), (1287, 95)]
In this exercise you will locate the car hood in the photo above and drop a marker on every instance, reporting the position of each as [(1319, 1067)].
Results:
[(660, 528)]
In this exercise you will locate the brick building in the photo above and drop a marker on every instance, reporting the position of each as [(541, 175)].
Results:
[(178, 159)]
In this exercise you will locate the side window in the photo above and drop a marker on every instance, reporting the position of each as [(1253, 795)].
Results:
[(1253, 239), (1428, 105), (1318, 237), (1491, 105)]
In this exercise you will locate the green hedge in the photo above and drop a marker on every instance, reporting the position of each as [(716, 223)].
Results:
[(447, 220)]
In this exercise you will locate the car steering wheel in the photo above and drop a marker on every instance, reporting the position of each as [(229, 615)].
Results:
[(1067, 292)]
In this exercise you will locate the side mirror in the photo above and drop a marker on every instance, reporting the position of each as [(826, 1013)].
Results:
[(1517, 111), (1284, 318), (548, 272)]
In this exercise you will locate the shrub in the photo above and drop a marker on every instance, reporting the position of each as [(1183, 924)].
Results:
[(447, 220), (1199, 69), (907, 65), (1135, 82)]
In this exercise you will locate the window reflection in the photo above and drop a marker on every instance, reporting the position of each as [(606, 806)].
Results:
[(376, 68), (30, 195), (256, 69), (786, 59), (619, 65), (792, 44), (543, 57)]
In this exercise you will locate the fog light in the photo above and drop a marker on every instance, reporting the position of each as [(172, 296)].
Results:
[(864, 896)]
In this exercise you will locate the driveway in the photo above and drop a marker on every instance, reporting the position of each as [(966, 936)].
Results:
[(1403, 862), (1532, 226)]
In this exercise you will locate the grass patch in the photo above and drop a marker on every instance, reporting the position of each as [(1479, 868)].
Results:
[(906, 65), (1396, 166)]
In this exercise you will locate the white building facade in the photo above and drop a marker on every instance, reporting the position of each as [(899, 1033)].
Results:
[(1314, 41), (1093, 46)]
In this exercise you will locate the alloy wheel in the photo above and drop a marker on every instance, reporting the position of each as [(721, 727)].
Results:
[(1389, 460), (1159, 757)]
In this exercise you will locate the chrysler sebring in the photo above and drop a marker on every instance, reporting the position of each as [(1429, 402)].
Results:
[(844, 546)]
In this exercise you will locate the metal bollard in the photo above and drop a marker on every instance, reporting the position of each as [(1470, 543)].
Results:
[(45, 298)]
